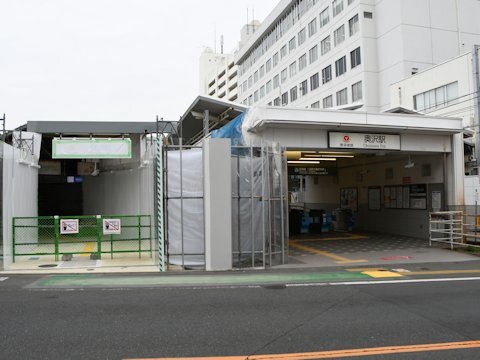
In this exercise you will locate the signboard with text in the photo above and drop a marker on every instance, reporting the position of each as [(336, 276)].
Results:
[(344, 140)]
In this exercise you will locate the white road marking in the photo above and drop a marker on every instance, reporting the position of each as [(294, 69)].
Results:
[(3, 278), (383, 282)]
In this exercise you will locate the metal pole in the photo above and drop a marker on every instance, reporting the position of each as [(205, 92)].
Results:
[(4, 135), (263, 203), (181, 203), (239, 243), (269, 194), (282, 207), (476, 98), (159, 199), (165, 202), (476, 212), (252, 218)]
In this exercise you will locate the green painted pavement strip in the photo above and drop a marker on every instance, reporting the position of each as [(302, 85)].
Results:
[(195, 280)]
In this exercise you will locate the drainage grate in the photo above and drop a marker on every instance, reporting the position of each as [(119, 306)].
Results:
[(48, 266)]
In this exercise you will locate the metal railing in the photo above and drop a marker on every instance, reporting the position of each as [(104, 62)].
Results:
[(454, 228), (43, 236)]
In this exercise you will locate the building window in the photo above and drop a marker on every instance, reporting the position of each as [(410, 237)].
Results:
[(315, 105), (283, 75), (250, 100), (339, 35), (262, 91), (337, 7), (353, 25), (312, 27), (342, 97), (293, 94), (302, 62), (276, 102), (368, 15), (268, 87), (268, 65), (313, 54), (276, 81), (275, 59), (340, 66), (262, 71), (324, 17), (283, 51), (436, 98), (355, 58), (328, 102), (293, 69), (350, 1), (250, 81), (255, 76), (292, 44), (325, 45), (327, 74), (244, 87), (357, 91), (285, 98), (303, 87), (314, 82), (302, 36), (255, 96)]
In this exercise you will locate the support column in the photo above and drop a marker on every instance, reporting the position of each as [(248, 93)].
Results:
[(456, 173), (218, 204)]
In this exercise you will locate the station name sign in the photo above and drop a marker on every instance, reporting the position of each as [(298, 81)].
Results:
[(94, 148), (344, 140)]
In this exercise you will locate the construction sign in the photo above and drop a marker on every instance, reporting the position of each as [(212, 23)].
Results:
[(112, 226), (69, 226)]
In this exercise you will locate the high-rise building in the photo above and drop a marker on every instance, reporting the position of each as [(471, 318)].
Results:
[(344, 54), (218, 73)]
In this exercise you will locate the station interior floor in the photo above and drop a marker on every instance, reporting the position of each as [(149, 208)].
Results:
[(365, 249)]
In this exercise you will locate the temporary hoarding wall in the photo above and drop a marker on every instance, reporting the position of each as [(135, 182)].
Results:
[(20, 191)]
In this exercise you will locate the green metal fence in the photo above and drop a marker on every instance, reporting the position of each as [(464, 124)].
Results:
[(41, 236)]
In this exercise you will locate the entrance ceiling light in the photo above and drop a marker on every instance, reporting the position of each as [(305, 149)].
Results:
[(328, 156), (319, 158), (304, 162)]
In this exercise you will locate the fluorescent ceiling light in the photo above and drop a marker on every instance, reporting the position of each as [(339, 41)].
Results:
[(304, 162), (319, 159), (328, 156)]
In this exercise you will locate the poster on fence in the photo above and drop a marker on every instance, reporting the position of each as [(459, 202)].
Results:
[(68, 226), (112, 226)]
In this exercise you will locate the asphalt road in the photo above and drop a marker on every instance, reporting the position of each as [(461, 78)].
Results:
[(152, 322)]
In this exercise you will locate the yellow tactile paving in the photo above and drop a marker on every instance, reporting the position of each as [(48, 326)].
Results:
[(382, 274)]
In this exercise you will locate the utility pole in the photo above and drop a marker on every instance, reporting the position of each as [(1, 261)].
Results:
[(476, 100)]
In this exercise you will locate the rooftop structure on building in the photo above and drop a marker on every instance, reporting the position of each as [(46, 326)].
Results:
[(344, 54), (218, 71)]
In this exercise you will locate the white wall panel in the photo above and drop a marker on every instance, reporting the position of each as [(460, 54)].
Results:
[(20, 192)]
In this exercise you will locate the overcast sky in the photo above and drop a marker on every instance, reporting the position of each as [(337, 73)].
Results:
[(121, 60)]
